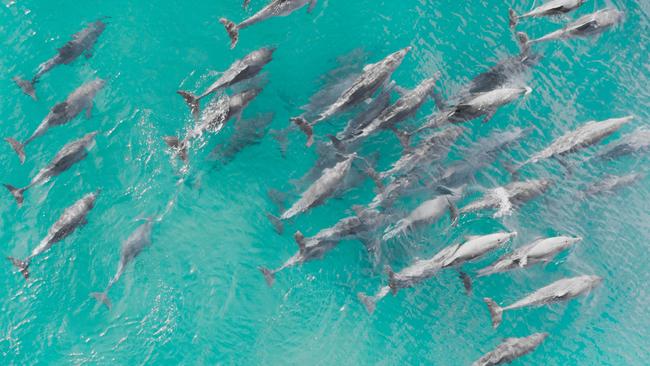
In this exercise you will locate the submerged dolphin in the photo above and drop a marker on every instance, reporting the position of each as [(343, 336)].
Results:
[(611, 183), (139, 239), (363, 88), (541, 250), (62, 113), (240, 70), (276, 8), (635, 142), (410, 276), (70, 154), (72, 218), (552, 7), (82, 43), (507, 72), (513, 194), (247, 133), (511, 349), (584, 26), (562, 290)]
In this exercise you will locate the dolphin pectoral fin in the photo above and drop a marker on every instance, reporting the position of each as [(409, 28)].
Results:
[(102, 297), (467, 282), (488, 116), (23, 266), (568, 167), (453, 213), (26, 86), (233, 31), (269, 275), (18, 148), (89, 110), (312, 5)]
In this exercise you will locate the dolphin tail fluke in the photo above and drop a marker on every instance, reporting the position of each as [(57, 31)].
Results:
[(18, 147), (305, 127), (403, 137), (26, 86), (103, 298), (276, 222), (269, 275), (467, 282), (233, 31), (191, 100), (245, 4), (453, 212), (391, 279), (23, 266), (513, 18), (176, 144), (496, 312), (16, 192), (524, 42), (370, 302)]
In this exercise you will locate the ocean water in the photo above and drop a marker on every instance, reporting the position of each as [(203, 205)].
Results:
[(196, 296)]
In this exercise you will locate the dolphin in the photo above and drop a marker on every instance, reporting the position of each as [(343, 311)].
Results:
[(240, 70), (70, 154), (363, 88), (541, 250), (511, 349), (513, 194), (638, 141), (558, 291), (139, 239), (587, 25), (472, 106), (552, 7), (72, 218), (82, 42), (276, 8), (426, 213), (611, 183), (62, 113), (213, 119), (585, 136), (417, 272), (247, 133), (506, 72)]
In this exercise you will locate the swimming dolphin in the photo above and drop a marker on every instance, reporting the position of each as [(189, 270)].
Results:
[(240, 70), (139, 239), (585, 136), (611, 183), (276, 8), (507, 72), (247, 133), (552, 7), (511, 349), (72, 218), (562, 290), (541, 250), (513, 194), (418, 271), (213, 119), (70, 154), (637, 141), (584, 26), (82, 42), (364, 87), (62, 113)]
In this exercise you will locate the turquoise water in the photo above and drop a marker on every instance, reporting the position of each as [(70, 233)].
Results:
[(196, 297)]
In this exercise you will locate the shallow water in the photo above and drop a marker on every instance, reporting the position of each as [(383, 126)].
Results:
[(196, 297)]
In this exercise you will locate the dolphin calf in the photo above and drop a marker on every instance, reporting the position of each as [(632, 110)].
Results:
[(472, 106), (584, 26), (139, 239), (82, 42), (511, 349), (513, 194), (541, 250), (363, 88), (276, 8), (418, 271), (62, 113), (240, 70), (585, 136), (637, 141), (552, 7), (426, 213), (72, 218), (213, 119), (558, 291), (611, 183), (70, 154)]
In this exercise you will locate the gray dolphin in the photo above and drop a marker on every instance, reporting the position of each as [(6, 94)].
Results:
[(276, 8), (558, 291), (62, 113), (70, 154), (584, 26), (637, 141), (363, 88), (513, 194), (240, 70), (511, 349), (506, 72), (552, 7), (82, 42), (541, 250), (585, 136), (72, 218), (418, 271), (611, 183), (213, 119), (139, 239)]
